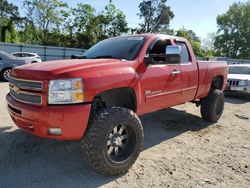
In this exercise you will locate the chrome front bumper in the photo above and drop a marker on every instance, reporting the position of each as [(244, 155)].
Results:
[(241, 89)]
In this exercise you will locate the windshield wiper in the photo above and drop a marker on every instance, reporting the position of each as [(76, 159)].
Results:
[(103, 57)]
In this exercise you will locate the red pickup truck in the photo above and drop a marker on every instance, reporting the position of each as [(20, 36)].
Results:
[(98, 98)]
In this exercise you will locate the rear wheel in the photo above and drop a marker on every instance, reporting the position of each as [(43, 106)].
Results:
[(212, 106), (5, 74), (113, 141)]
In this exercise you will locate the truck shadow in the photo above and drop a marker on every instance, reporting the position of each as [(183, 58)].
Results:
[(166, 124), (28, 161)]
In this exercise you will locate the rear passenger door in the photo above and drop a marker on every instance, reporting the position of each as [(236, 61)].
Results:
[(189, 73)]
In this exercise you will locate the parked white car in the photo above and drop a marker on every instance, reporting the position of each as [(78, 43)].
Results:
[(239, 79), (7, 62), (31, 57)]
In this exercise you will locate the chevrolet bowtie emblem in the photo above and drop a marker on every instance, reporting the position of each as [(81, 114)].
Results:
[(16, 88)]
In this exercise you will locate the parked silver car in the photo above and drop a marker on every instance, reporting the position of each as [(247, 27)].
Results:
[(32, 57), (7, 62), (239, 79)]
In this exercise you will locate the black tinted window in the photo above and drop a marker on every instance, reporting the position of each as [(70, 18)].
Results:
[(159, 48), (118, 48), (185, 58), (17, 54), (28, 55)]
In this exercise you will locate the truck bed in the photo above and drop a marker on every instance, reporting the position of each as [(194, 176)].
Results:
[(207, 71)]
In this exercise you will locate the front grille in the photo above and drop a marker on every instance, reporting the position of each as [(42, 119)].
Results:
[(233, 82), (36, 99), (25, 84), (26, 91)]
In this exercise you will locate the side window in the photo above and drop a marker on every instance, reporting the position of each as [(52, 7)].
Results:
[(27, 55), (1, 59), (185, 57), (159, 48)]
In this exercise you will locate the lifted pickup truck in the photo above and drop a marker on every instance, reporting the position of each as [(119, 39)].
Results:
[(98, 98)]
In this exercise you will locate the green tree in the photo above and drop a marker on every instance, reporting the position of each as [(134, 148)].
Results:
[(233, 35), (195, 42), (45, 16), (208, 42), (156, 16), (85, 27), (9, 16), (82, 27), (112, 21)]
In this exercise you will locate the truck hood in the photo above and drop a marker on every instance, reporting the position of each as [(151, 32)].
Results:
[(64, 68), (239, 76)]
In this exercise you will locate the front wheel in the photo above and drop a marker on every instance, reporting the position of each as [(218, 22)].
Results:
[(5, 74), (212, 106), (113, 141)]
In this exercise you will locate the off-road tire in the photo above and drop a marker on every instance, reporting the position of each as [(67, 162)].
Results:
[(93, 144), (212, 106)]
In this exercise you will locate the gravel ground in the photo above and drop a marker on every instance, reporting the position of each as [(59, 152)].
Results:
[(180, 150)]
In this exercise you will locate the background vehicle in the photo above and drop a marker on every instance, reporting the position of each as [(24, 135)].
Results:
[(7, 62), (98, 99), (239, 79), (31, 57)]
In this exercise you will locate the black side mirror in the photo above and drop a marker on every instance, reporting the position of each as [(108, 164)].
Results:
[(148, 60), (155, 59), (173, 55)]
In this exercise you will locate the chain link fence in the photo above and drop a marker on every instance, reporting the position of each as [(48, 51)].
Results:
[(47, 53)]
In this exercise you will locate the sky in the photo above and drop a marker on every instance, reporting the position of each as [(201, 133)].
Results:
[(197, 15)]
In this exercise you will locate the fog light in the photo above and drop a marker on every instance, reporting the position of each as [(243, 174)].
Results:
[(55, 131)]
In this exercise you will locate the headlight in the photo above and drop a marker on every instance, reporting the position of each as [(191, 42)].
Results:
[(243, 83), (68, 91)]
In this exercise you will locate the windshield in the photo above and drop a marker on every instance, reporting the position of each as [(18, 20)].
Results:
[(239, 70), (8, 56), (116, 48)]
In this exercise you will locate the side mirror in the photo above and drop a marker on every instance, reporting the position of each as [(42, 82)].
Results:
[(147, 60), (173, 55)]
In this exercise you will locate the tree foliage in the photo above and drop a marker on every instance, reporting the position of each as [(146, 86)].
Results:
[(52, 22), (195, 42), (156, 16), (81, 26), (9, 16), (44, 16), (114, 21), (85, 27), (233, 36)]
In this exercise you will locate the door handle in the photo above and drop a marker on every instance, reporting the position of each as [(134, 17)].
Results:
[(176, 72)]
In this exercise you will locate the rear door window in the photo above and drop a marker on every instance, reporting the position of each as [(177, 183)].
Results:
[(185, 57)]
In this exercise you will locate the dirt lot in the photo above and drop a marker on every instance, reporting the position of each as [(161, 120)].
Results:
[(180, 150)]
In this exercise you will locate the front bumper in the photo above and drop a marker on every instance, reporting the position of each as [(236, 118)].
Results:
[(238, 89), (71, 119)]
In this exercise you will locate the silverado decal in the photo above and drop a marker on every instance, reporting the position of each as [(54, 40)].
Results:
[(148, 92)]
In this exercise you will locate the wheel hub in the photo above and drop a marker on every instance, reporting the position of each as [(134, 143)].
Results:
[(116, 140), (7, 74)]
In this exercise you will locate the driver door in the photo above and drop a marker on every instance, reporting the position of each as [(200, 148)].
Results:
[(161, 84)]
